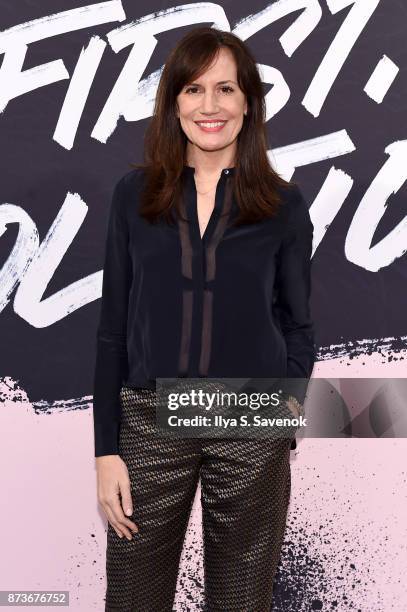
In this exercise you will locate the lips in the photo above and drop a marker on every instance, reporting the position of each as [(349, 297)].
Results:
[(211, 126)]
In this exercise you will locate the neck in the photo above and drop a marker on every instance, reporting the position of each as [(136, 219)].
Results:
[(209, 165)]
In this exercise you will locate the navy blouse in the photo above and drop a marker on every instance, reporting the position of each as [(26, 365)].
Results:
[(234, 303)]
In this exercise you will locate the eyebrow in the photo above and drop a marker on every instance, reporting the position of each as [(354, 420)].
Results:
[(218, 83)]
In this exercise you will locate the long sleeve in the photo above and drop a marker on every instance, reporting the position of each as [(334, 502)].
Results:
[(111, 365), (293, 289)]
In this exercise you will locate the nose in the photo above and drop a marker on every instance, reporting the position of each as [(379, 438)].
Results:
[(209, 103)]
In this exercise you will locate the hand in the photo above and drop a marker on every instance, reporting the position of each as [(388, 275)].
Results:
[(294, 407), (112, 482)]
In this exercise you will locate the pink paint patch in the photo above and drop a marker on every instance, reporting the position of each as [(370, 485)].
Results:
[(347, 510)]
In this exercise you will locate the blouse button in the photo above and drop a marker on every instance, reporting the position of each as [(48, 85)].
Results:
[(226, 171)]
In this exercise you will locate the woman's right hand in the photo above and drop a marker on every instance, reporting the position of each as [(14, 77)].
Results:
[(113, 482)]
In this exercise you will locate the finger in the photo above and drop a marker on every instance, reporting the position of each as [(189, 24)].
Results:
[(293, 409), (127, 504), (124, 524), (110, 518), (117, 531)]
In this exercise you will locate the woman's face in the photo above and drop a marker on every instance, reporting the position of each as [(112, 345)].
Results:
[(213, 97)]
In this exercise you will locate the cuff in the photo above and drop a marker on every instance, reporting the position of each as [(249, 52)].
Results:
[(106, 439)]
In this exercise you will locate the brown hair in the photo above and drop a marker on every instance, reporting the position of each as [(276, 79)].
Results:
[(255, 181)]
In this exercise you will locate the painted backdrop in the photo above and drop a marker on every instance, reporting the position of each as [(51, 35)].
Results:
[(77, 86)]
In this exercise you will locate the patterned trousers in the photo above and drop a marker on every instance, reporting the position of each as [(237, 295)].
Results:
[(245, 491)]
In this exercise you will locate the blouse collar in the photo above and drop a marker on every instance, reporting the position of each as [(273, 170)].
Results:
[(227, 171)]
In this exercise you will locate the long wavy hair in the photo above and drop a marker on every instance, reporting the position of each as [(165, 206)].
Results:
[(255, 181)]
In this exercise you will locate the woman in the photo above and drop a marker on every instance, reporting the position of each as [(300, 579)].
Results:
[(206, 274)]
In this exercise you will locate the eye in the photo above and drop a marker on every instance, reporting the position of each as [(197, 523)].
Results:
[(225, 88)]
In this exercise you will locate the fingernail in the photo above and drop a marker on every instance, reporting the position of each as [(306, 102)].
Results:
[(128, 511)]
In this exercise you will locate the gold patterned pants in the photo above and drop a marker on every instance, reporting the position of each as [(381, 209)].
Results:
[(245, 491)]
